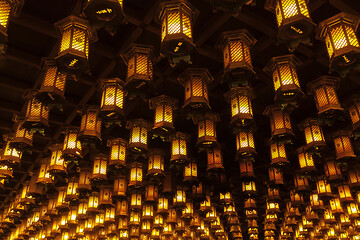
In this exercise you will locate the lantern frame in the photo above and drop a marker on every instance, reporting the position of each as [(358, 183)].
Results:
[(278, 153), (90, 129), (100, 167), (37, 115), (343, 145), (314, 136), (141, 145), (179, 147), (306, 161), (22, 139), (72, 149), (248, 149), (206, 129), (156, 165), (112, 98), (332, 171), (13, 10), (161, 123), (214, 159), (246, 168), (280, 123), (57, 163), (117, 154)]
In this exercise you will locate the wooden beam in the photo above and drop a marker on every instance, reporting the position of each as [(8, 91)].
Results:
[(344, 7)]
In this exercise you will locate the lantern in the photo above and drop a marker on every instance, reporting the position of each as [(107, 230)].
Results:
[(245, 145), (335, 206), (306, 161), (354, 177), (134, 218), (138, 134), (353, 107), (313, 134), (135, 201), (195, 81), (84, 180), (71, 192), (272, 207), (249, 187), (235, 46), (120, 187), (121, 209), (180, 197), (139, 60), (163, 205), (323, 188), (176, 28), (190, 172), (246, 168), (156, 162), (93, 203), (178, 147), (105, 196), (147, 212), (136, 175), (90, 128), (112, 99), (315, 202), (72, 146), (278, 153), (57, 163), (117, 152), (164, 107), (206, 129), (7, 10), (339, 34), (345, 194), (37, 115), (214, 159), (275, 176), (343, 146), (332, 171), (285, 79), (99, 167), (22, 139), (353, 210), (241, 108), (279, 121), (74, 48), (293, 19), (5, 171), (44, 176), (11, 156), (151, 193), (273, 193), (145, 226), (61, 203)]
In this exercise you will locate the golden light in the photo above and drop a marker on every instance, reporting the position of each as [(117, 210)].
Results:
[(249, 187), (278, 153), (134, 218), (354, 177), (156, 162), (353, 210), (71, 192), (120, 186), (306, 161), (195, 81), (82, 209), (332, 171), (44, 176), (176, 28), (135, 201), (246, 168), (117, 152), (343, 146), (280, 122), (345, 193), (121, 209), (6, 171), (37, 115), (112, 98), (273, 193), (61, 203), (136, 175), (272, 207), (276, 176), (158, 221), (339, 34), (190, 172), (151, 193), (93, 203), (179, 147), (100, 167), (10, 155), (105, 196), (214, 159), (180, 197), (7, 10), (74, 47), (72, 216), (145, 226), (285, 79), (99, 220), (335, 206), (172, 217), (164, 107), (84, 179), (147, 212), (323, 188), (245, 145), (314, 136), (22, 139), (105, 13), (90, 124), (138, 134), (163, 205), (353, 107), (57, 162), (235, 46), (206, 129), (122, 224), (72, 146), (315, 202)]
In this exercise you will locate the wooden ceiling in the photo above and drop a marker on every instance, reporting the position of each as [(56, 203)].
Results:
[(32, 36)]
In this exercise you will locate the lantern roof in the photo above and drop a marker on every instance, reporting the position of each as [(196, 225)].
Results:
[(170, 5), (74, 21), (138, 48), (323, 80), (190, 73), (241, 34), (341, 18), (290, 59)]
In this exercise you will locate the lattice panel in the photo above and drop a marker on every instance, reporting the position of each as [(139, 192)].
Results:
[(236, 50), (329, 45), (278, 119), (173, 22), (354, 114), (186, 25), (303, 8), (50, 77), (142, 64), (197, 87), (119, 98), (5, 9), (78, 40), (352, 36), (338, 37), (290, 8), (210, 128), (65, 39), (321, 96), (276, 79)]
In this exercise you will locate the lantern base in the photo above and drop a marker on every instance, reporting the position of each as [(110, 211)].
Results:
[(35, 126), (234, 6), (163, 132), (50, 99), (288, 98), (137, 87), (246, 152), (177, 47), (346, 61), (73, 61), (21, 145), (239, 77)]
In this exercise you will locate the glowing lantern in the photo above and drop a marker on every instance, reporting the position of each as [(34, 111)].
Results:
[(121, 209), (57, 163), (278, 153), (353, 210), (190, 172), (178, 147), (134, 218), (112, 99), (214, 159), (105, 197), (354, 177), (313, 134), (339, 34), (120, 187), (6, 171), (37, 115), (71, 191), (279, 121), (343, 146), (176, 30), (246, 168), (245, 145), (285, 79), (100, 167), (249, 187), (145, 226), (151, 193), (61, 203), (163, 205), (315, 202), (136, 175), (195, 81), (74, 48), (72, 146), (335, 206), (156, 162), (7, 9), (323, 188), (172, 217), (235, 46), (138, 134), (273, 193), (272, 207), (84, 180), (275, 176), (293, 20), (306, 161), (11, 156), (22, 139), (44, 176), (90, 128), (180, 197), (345, 194), (353, 107), (164, 107), (117, 152), (206, 129), (135, 201), (332, 171)]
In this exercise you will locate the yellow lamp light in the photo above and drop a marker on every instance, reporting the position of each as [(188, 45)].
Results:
[(164, 107), (112, 98)]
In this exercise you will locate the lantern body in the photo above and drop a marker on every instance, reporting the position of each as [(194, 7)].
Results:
[(44, 176), (37, 115), (278, 153), (100, 167), (57, 162), (279, 121), (273, 193), (206, 129), (246, 168), (22, 139), (249, 187), (180, 197), (105, 197), (323, 188), (306, 161), (176, 28), (179, 147), (138, 134), (353, 107), (314, 136), (343, 146), (345, 193), (151, 194), (72, 146), (156, 162), (275, 176), (84, 179), (339, 34), (5, 171), (354, 177), (285, 79), (7, 9), (120, 187), (164, 107), (90, 128), (136, 175), (117, 152), (112, 98), (332, 171), (121, 209), (163, 205), (93, 203), (71, 192), (195, 81), (11, 156), (214, 159), (190, 172), (235, 46), (245, 145)]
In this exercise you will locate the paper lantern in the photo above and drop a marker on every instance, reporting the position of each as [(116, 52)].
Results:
[(151, 193), (57, 163), (293, 19), (278, 153), (176, 28), (235, 46), (117, 152), (339, 34), (136, 175), (285, 79), (10, 155), (138, 134), (100, 167), (314, 136), (275, 176), (22, 139), (214, 159), (332, 171), (164, 107), (245, 145), (37, 115), (195, 81), (120, 186), (90, 128), (343, 146), (280, 122), (156, 162), (179, 147), (306, 161), (206, 129), (323, 188), (71, 191), (246, 168), (112, 98), (72, 146)]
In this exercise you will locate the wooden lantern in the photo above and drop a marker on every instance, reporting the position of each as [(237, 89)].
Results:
[(105, 196), (285, 79), (10, 155), (343, 146), (353, 107), (121, 209), (93, 203), (354, 177), (120, 186), (214, 159), (112, 98), (276, 176), (147, 212), (90, 128), (135, 218), (195, 81), (117, 152), (296, 199), (22, 139), (6, 171), (179, 147), (136, 175), (100, 167), (8, 8), (306, 161), (164, 107), (145, 227), (332, 171), (323, 188), (163, 205), (314, 136), (74, 48), (57, 162), (180, 197), (61, 203), (353, 210), (293, 19), (246, 168), (190, 172), (84, 179), (44, 176), (249, 187), (245, 145), (235, 46), (339, 34), (206, 129), (272, 207), (273, 193), (37, 115), (176, 18), (71, 191), (156, 162), (324, 91), (72, 146), (139, 60), (151, 193), (345, 193), (138, 134), (278, 153), (109, 215), (280, 122)]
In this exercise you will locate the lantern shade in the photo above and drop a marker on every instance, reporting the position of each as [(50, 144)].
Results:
[(339, 34), (151, 193), (117, 152), (22, 138), (246, 168), (112, 98), (72, 148), (314, 136), (214, 159), (235, 46), (139, 128), (195, 81), (206, 129), (345, 194), (8, 8), (164, 107), (156, 162), (90, 128), (100, 167), (343, 146), (280, 122), (105, 13), (37, 115), (57, 162), (354, 177), (44, 176), (278, 153), (10, 155), (179, 147), (245, 144), (332, 171), (306, 161), (249, 187)]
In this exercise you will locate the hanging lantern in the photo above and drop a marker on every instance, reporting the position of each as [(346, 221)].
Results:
[(136, 175), (353, 210), (343, 146), (323, 188), (353, 107), (100, 167), (8, 8), (306, 161), (179, 147), (275, 176), (121, 209), (156, 162), (246, 168), (176, 29), (151, 193), (272, 207), (138, 134), (279, 121), (245, 145), (241, 108), (147, 212), (285, 79), (249, 187), (37, 116), (120, 186), (72, 146), (335, 206), (164, 107), (105, 197), (345, 194), (293, 19), (278, 153), (190, 172), (22, 139), (180, 197), (145, 227), (163, 205), (206, 129), (84, 180), (134, 218), (315, 202), (44, 176), (57, 164), (313, 134), (61, 203), (112, 99), (339, 34), (71, 192), (74, 48), (117, 152), (5, 171), (273, 193), (195, 81), (354, 177), (235, 46), (214, 159), (332, 171), (11, 156), (139, 60), (93, 203), (90, 128)]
